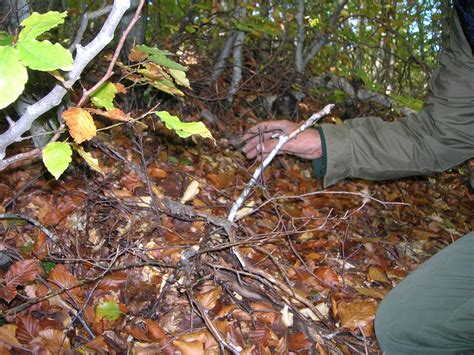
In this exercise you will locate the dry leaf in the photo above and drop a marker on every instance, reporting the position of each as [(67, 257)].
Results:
[(20, 273), (137, 55), (28, 328), (286, 316), (357, 314), (80, 124), (202, 336), (264, 312), (54, 340), (245, 211), (191, 191), (191, 348), (61, 277), (7, 335), (377, 274), (115, 114), (209, 299), (372, 292), (327, 276), (154, 330)]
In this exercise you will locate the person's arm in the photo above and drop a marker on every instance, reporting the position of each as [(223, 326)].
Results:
[(439, 137)]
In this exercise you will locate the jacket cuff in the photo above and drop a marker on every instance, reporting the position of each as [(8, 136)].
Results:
[(337, 154), (319, 165)]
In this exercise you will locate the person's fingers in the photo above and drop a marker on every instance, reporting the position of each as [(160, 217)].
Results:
[(262, 148), (252, 142)]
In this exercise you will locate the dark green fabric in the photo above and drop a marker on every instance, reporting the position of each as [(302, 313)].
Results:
[(432, 310), (439, 137), (319, 165)]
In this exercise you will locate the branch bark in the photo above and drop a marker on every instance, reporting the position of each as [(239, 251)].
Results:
[(319, 42)]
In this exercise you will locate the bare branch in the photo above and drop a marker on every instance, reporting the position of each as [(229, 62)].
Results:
[(316, 46), (85, 21)]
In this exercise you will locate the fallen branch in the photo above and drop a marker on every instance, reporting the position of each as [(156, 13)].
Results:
[(32, 221)]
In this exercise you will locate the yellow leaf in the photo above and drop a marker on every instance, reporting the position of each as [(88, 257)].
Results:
[(377, 274), (8, 335), (80, 123), (90, 160), (180, 77)]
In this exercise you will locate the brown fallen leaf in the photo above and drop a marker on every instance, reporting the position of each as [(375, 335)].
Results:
[(192, 348), (356, 315), (20, 273), (327, 276), (7, 336), (209, 299)]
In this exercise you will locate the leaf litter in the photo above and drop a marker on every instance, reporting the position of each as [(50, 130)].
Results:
[(144, 262)]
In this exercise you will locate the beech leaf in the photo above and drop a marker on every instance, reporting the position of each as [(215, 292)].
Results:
[(13, 76), (104, 96), (37, 24), (44, 55), (19, 274), (109, 310), (184, 129), (180, 77), (56, 158), (90, 160), (80, 123), (7, 335)]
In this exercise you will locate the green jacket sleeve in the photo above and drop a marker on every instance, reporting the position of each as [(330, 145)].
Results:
[(437, 138)]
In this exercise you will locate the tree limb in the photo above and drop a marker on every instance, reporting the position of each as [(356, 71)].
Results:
[(319, 42)]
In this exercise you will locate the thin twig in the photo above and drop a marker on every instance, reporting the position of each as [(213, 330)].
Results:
[(32, 221), (109, 72)]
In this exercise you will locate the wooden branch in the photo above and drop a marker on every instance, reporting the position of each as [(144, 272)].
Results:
[(85, 21), (316, 46), (299, 37)]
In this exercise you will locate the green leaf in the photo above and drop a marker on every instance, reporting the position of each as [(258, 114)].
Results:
[(56, 158), (153, 50), (184, 129), (44, 55), (6, 39), (180, 77), (166, 62), (47, 266), (104, 96), (13, 76), (109, 310), (37, 24)]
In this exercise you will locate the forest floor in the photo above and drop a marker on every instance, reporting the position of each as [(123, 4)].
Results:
[(129, 265)]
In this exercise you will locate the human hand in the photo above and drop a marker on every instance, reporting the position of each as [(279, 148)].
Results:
[(262, 138)]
